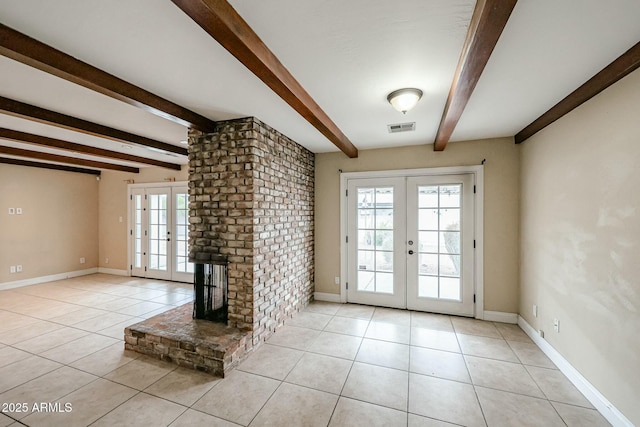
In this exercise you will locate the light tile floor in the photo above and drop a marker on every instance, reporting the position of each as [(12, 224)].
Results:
[(331, 365)]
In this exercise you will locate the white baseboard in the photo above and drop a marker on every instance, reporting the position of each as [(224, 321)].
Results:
[(45, 279), (501, 316), (323, 296), (606, 408), (113, 271)]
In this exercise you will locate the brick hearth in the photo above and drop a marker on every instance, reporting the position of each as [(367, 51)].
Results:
[(176, 337)]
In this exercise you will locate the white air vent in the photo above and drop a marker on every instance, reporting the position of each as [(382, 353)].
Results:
[(402, 127)]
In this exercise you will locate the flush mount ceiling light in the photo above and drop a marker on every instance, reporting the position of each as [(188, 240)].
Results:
[(405, 99)]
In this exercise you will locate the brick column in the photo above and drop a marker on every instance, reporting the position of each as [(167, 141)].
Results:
[(252, 200)]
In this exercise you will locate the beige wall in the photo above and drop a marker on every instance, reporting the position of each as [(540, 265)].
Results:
[(66, 216), (580, 252), (112, 234), (500, 216), (58, 226)]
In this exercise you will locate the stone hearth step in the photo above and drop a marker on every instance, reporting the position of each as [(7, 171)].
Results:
[(176, 337)]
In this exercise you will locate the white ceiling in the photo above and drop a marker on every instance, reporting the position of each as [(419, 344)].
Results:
[(347, 54)]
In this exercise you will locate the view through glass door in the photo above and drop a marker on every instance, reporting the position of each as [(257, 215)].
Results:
[(440, 232), (159, 233), (376, 250), (410, 243)]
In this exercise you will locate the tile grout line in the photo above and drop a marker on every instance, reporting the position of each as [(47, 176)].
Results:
[(473, 386), (353, 362), (409, 366)]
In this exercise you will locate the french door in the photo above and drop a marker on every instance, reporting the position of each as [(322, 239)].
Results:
[(159, 233), (376, 239), (410, 242)]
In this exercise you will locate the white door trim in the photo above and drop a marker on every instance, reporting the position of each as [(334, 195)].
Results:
[(478, 173)]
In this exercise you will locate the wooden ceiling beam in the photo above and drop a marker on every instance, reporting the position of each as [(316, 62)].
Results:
[(20, 162), (41, 115), (488, 20), (624, 65), (45, 141), (220, 20), (29, 51), (65, 159)]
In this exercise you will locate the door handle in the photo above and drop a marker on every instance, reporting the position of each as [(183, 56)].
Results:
[(410, 252)]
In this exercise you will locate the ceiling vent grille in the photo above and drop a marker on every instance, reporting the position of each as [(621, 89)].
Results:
[(402, 127)]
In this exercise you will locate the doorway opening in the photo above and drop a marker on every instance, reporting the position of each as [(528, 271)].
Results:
[(413, 239), (159, 231)]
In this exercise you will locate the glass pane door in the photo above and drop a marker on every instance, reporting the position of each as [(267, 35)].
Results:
[(439, 241), (376, 211), (159, 219), (182, 268), (182, 234), (375, 239), (440, 235), (159, 233), (138, 232)]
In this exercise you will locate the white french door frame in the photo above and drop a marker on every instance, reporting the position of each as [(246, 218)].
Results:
[(133, 189), (478, 181), (398, 296)]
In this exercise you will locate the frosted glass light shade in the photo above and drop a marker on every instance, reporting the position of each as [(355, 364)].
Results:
[(404, 100)]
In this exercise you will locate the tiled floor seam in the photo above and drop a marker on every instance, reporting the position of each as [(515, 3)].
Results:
[(14, 420), (411, 320), (137, 394), (350, 368), (484, 417), (492, 358), (558, 413), (512, 392), (347, 376), (432, 418), (265, 402)]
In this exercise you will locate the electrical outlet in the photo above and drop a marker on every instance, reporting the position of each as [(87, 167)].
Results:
[(535, 310), (556, 325), (12, 211), (541, 333), (106, 260), (12, 269), (18, 211), (19, 268), (336, 280), (82, 260)]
